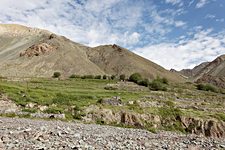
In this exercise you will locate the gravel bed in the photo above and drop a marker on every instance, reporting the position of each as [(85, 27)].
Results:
[(19, 134)]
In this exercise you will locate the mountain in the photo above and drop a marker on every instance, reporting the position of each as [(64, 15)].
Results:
[(193, 72), (209, 72), (32, 52)]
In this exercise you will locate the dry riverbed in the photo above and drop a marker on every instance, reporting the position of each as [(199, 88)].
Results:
[(17, 133)]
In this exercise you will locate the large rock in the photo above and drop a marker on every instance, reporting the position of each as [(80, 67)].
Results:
[(115, 101), (7, 106), (108, 116), (209, 128), (37, 50)]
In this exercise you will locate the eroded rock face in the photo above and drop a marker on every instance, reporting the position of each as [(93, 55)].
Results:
[(7, 106), (209, 128), (108, 116), (37, 50)]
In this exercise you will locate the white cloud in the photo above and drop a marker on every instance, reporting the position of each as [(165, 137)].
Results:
[(124, 22), (179, 23), (92, 22), (175, 2), (220, 20), (201, 3), (202, 47), (210, 16), (190, 3)]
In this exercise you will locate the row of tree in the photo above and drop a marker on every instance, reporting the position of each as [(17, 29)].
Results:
[(156, 84)]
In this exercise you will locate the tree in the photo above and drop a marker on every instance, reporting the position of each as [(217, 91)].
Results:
[(122, 77), (144, 82), (207, 87), (113, 77), (157, 86), (98, 77), (56, 74), (104, 77), (136, 77), (162, 80)]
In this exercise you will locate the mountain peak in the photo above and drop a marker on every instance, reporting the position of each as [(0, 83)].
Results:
[(30, 52)]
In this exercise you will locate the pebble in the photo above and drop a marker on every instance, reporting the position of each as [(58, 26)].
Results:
[(43, 135)]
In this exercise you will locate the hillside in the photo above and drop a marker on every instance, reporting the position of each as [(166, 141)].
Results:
[(209, 72), (193, 72), (31, 52)]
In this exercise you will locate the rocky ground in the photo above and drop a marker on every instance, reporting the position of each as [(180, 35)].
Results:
[(17, 133)]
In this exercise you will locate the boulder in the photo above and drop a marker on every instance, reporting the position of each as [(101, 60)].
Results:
[(115, 101)]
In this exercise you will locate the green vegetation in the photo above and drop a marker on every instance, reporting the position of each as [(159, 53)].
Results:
[(159, 84), (75, 76), (54, 110), (156, 85), (136, 77), (98, 77), (144, 82), (122, 77), (63, 93), (29, 110), (206, 87), (72, 96), (87, 77), (113, 77), (104, 77), (56, 74)]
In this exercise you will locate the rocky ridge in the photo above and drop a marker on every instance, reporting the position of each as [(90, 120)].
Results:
[(207, 72), (208, 127)]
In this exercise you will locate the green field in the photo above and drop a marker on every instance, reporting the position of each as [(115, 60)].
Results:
[(71, 92), (71, 95)]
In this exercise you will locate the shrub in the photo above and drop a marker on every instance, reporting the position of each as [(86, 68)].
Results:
[(77, 113), (74, 76), (98, 77), (29, 110), (56, 74), (1, 77), (122, 77), (157, 86), (162, 80), (136, 77), (206, 87), (87, 77), (110, 88), (62, 99), (54, 110), (144, 82), (113, 77), (165, 80), (104, 77)]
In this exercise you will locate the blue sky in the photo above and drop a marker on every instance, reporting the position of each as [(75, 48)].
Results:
[(173, 33)]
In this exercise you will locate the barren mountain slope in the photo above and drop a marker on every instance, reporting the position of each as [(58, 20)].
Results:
[(34, 52), (194, 71), (215, 68), (209, 72), (29, 52), (114, 59)]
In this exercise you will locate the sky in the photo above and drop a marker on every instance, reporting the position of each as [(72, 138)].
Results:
[(175, 34)]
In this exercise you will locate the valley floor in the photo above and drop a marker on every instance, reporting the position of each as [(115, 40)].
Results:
[(17, 133)]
